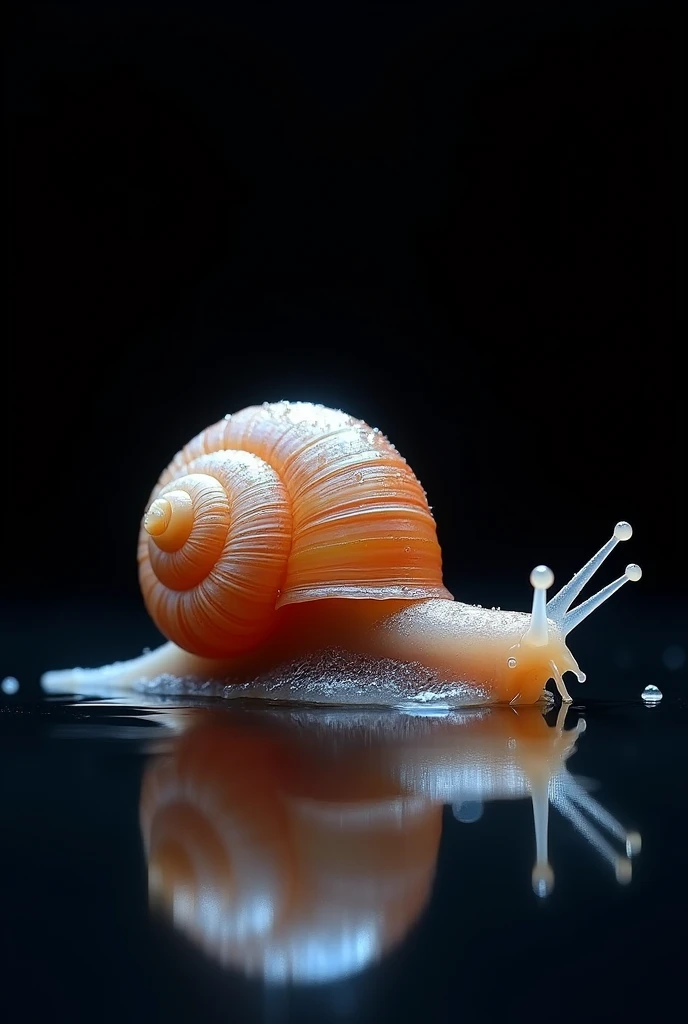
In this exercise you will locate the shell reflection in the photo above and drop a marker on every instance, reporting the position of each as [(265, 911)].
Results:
[(301, 844)]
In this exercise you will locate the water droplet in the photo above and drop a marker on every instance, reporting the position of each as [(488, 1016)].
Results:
[(9, 684), (358, 477), (468, 811), (407, 550), (652, 694), (512, 663)]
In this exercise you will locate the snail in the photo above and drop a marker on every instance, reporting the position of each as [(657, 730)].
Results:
[(290, 529), (302, 844)]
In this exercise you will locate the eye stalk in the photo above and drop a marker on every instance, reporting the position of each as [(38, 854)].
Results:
[(541, 579), (555, 618), (558, 607), (574, 618)]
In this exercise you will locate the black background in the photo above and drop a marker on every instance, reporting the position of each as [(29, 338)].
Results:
[(461, 222)]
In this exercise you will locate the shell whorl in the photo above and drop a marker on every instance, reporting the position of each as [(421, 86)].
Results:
[(278, 504)]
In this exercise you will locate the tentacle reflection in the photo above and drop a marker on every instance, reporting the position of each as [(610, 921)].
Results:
[(301, 844)]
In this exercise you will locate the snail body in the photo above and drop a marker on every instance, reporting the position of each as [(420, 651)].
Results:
[(287, 529)]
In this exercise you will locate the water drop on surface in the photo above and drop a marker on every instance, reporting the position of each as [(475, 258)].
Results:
[(652, 694), (9, 684), (358, 477), (512, 663)]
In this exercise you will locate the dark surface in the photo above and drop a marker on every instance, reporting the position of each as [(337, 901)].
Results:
[(80, 943)]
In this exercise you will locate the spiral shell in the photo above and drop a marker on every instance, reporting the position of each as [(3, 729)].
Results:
[(278, 504)]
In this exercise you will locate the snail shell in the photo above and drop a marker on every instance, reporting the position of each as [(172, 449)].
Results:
[(279, 504)]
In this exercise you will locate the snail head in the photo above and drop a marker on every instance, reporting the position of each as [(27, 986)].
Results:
[(541, 652)]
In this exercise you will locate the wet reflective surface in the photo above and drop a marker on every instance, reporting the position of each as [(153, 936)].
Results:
[(186, 860)]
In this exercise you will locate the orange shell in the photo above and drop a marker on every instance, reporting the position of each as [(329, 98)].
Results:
[(278, 504)]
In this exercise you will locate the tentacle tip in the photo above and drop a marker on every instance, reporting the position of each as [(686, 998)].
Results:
[(543, 880), (634, 844), (623, 870), (542, 577), (623, 530), (633, 572)]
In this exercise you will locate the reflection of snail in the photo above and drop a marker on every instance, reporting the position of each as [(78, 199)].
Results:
[(288, 529), (302, 844)]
